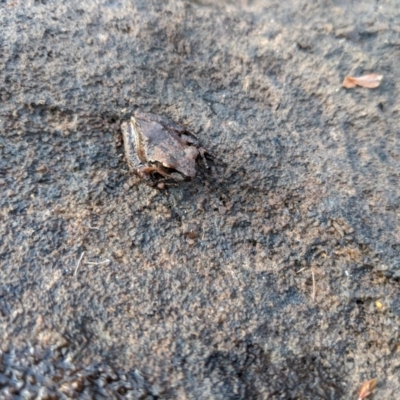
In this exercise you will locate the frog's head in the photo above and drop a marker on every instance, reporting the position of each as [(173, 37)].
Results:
[(187, 164), (182, 165)]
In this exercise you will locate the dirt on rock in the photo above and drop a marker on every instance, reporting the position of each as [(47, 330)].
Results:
[(272, 275)]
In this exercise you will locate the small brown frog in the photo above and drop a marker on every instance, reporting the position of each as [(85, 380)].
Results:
[(155, 146)]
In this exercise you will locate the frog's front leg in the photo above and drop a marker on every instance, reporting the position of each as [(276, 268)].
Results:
[(152, 169), (189, 139), (203, 153)]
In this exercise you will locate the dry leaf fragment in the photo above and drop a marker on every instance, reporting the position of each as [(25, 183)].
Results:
[(370, 81), (367, 388)]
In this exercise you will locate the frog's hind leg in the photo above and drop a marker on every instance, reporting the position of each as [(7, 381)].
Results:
[(131, 146), (165, 122)]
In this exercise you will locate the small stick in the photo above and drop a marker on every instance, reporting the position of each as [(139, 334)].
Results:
[(93, 227), (96, 263), (313, 285), (301, 269), (79, 263)]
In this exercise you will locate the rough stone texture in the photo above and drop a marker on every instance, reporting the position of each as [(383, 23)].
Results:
[(259, 279)]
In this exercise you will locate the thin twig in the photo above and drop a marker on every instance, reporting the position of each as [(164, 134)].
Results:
[(96, 263), (79, 263), (301, 270), (94, 227), (313, 285)]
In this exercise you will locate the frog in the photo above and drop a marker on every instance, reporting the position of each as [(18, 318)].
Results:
[(159, 150)]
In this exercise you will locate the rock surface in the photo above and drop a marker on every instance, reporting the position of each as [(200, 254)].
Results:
[(275, 274)]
